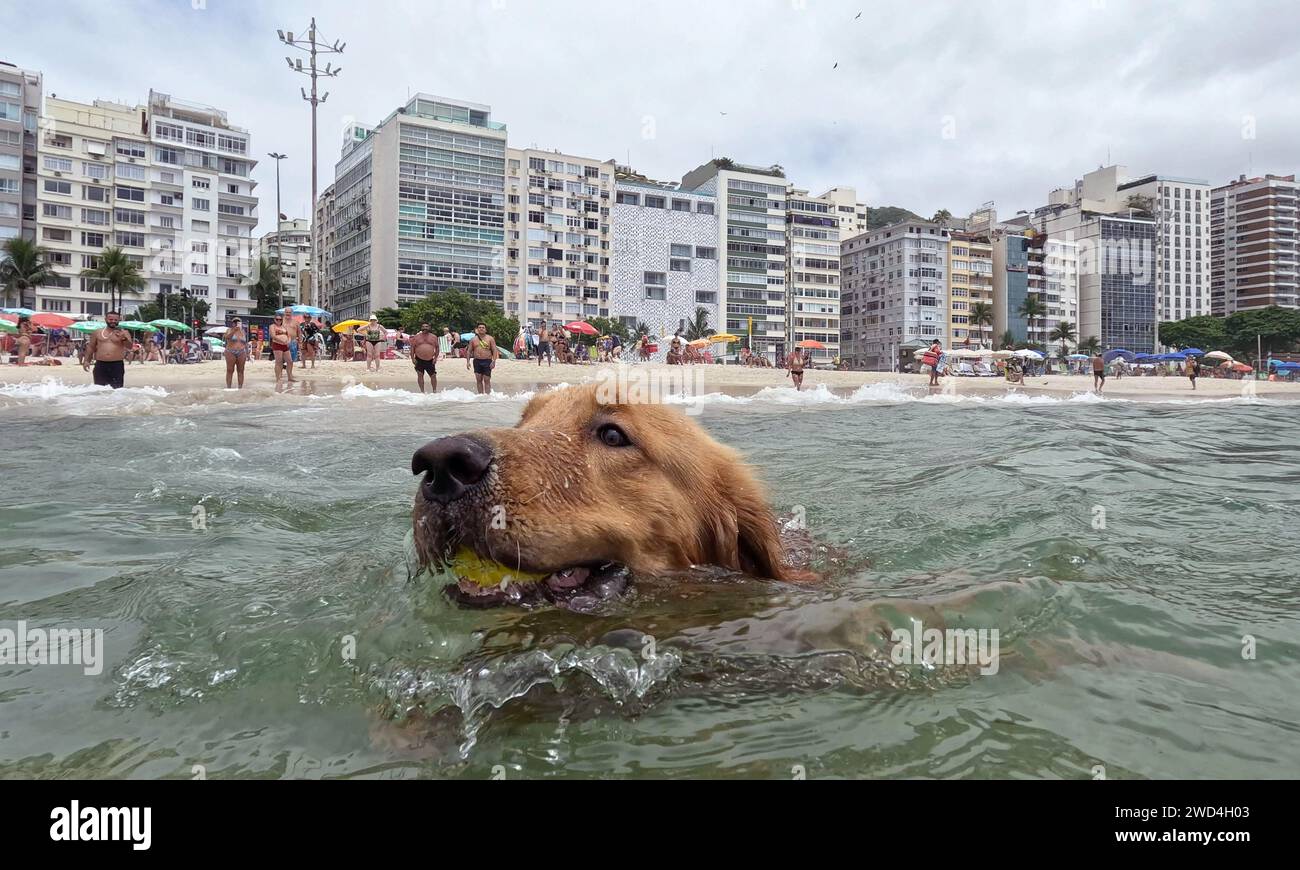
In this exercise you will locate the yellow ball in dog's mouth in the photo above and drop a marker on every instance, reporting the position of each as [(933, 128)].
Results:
[(469, 567)]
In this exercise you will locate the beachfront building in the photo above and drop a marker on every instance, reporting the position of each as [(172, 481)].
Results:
[(1031, 263), (323, 242), (970, 281), (419, 208), (290, 249), (1180, 208), (558, 236), (665, 256), (894, 294), (1253, 244), (169, 182), (814, 227), (751, 245), (20, 109), (1115, 267)]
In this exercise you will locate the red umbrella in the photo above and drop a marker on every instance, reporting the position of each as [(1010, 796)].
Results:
[(582, 326), (50, 321), (811, 344), (1242, 368)]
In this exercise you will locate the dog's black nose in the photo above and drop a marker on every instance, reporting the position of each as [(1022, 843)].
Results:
[(452, 465)]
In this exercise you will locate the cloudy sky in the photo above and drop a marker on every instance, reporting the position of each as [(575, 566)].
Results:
[(933, 104)]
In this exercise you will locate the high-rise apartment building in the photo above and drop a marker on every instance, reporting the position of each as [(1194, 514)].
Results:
[(419, 208), (815, 226), (20, 109), (894, 294), (558, 235), (290, 249), (970, 281), (751, 204), (665, 257), (1253, 244), (1115, 265), (1031, 263), (169, 182)]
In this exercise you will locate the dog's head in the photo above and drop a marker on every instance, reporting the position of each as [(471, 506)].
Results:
[(583, 486)]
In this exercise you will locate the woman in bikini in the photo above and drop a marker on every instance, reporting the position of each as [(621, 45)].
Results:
[(280, 348), (374, 341), (236, 352), (24, 339)]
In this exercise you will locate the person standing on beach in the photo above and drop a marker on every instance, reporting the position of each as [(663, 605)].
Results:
[(295, 332), (280, 348), (483, 353), (374, 340), (794, 362), (544, 339), (424, 355), (24, 339), (236, 352), (108, 349), (931, 358), (1193, 371), (1098, 372), (307, 346)]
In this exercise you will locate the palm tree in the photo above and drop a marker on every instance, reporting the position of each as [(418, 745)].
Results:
[(699, 326), (1064, 332), (23, 268), (941, 217), (642, 328), (118, 273), (981, 315), (1031, 309), (1090, 345), (266, 287), (1008, 340)]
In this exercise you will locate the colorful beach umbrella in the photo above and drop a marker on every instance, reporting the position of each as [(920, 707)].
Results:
[(20, 312), (725, 337), (137, 326), (349, 324), (1219, 355), (7, 327), (583, 327), (1193, 351), (1126, 355), (88, 326), (811, 344), (51, 321), (164, 323)]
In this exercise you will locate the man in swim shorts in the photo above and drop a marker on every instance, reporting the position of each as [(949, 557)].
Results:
[(483, 353), (424, 355)]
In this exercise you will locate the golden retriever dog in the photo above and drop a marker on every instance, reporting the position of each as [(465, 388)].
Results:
[(583, 492)]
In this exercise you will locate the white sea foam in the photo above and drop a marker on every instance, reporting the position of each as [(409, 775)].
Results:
[(407, 397)]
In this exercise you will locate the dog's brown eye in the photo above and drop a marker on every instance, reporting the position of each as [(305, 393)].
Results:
[(612, 436)]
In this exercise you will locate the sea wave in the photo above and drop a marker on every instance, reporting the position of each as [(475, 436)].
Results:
[(455, 395)]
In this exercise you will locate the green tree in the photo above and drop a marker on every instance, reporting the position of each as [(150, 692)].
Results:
[(265, 287), (981, 315), (174, 306), (1270, 329), (1090, 345), (390, 318), (941, 217), (1064, 333), (1032, 309), (611, 326), (1008, 340), (1205, 332), (22, 269), (698, 326), (462, 313), (119, 274)]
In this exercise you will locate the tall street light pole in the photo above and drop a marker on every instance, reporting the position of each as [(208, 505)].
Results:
[(313, 45), (279, 242)]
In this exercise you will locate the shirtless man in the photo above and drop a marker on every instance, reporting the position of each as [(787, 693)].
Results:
[(295, 343), (424, 354), (795, 363), (544, 348), (484, 354), (1098, 372), (280, 348), (107, 349)]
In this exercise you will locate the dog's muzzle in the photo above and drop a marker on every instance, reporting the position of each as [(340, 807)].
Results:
[(451, 466)]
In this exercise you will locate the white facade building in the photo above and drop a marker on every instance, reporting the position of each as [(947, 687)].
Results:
[(665, 257), (169, 182), (20, 109), (290, 248)]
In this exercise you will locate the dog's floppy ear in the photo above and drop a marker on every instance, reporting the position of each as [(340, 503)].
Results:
[(758, 545)]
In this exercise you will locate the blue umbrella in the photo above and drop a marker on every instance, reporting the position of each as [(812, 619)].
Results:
[(466, 336), (1193, 351), (1174, 357), (309, 310), (1111, 355), (21, 312), (1078, 356), (1144, 357)]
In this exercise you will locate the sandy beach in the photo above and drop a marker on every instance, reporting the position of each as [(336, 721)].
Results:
[(513, 376)]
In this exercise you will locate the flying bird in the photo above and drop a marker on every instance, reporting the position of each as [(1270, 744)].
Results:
[(856, 17), (837, 65)]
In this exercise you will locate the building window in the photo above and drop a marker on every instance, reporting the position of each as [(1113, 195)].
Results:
[(201, 204), (704, 208), (57, 164), (681, 205), (628, 198), (200, 183), (63, 188), (679, 265), (130, 149), (706, 253), (61, 212), (655, 202)]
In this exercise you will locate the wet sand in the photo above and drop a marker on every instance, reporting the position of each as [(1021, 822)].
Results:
[(514, 376)]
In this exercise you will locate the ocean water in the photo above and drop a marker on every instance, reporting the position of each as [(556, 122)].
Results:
[(248, 558)]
